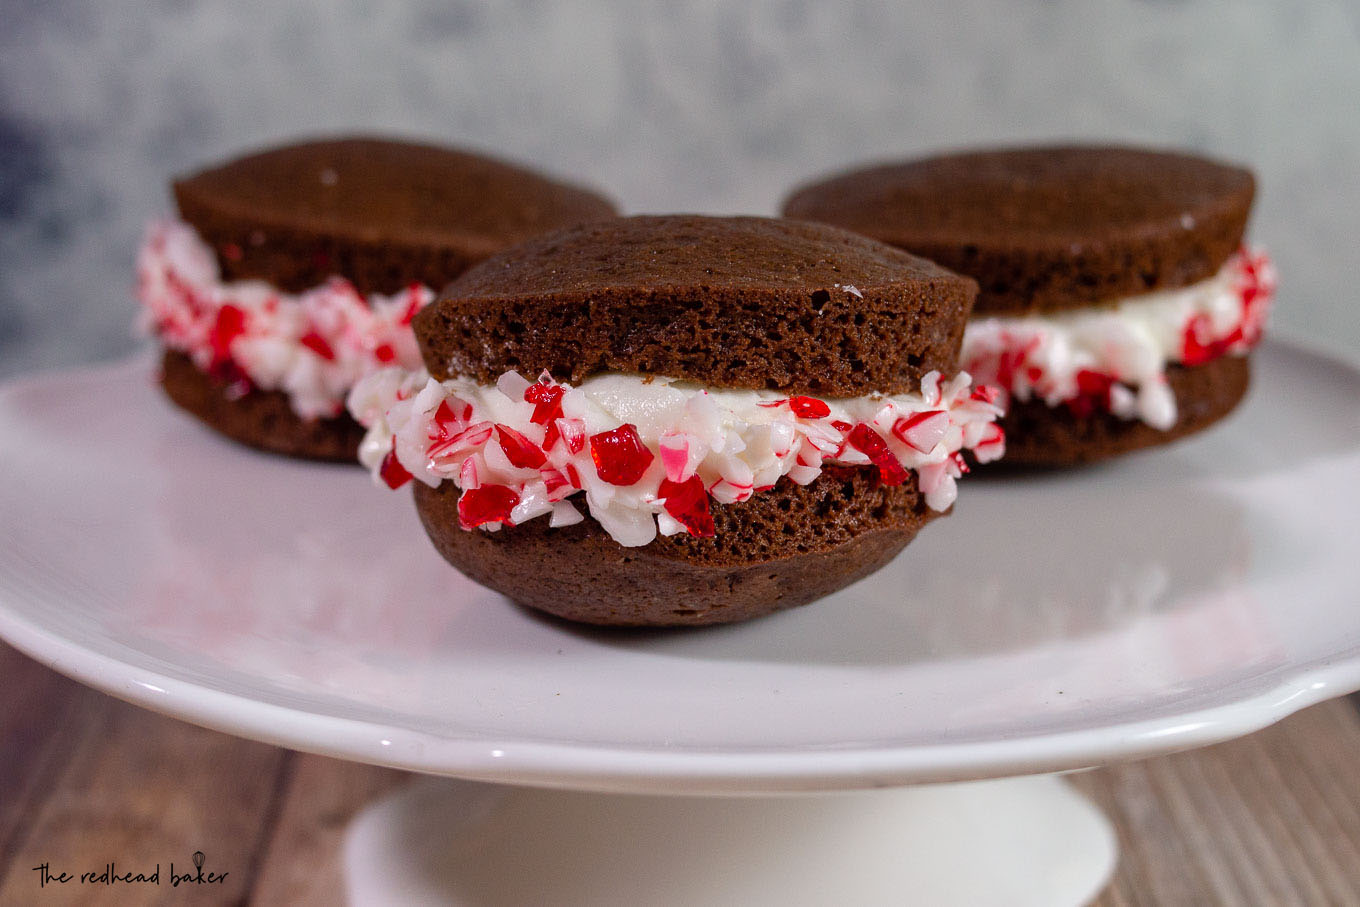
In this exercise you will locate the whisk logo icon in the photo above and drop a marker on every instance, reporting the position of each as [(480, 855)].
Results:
[(197, 876)]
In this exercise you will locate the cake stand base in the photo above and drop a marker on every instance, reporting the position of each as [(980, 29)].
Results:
[(1015, 841)]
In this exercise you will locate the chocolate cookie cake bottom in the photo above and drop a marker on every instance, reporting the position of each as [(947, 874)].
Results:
[(263, 419), (784, 548), (1042, 435)]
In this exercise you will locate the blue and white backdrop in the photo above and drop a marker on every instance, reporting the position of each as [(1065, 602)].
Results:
[(714, 105)]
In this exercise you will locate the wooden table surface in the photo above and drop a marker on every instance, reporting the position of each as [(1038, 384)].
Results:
[(1270, 819)]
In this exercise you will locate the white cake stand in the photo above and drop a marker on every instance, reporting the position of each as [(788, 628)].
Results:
[(1051, 623)]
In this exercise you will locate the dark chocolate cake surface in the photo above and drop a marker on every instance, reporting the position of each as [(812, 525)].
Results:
[(730, 302), (777, 550), (1047, 228), (258, 418), (379, 212)]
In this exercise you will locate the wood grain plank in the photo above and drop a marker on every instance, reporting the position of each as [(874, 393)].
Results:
[(303, 863), (1271, 819), (1282, 810), (1151, 866), (39, 710), (142, 790), (1318, 765), (1234, 837)]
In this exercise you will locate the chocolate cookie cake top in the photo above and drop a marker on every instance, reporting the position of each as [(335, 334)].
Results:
[(1050, 228), (382, 213), (732, 302)]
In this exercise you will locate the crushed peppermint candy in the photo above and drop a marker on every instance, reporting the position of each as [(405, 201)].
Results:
[(652, 454), (313, 346), (1113, 358)]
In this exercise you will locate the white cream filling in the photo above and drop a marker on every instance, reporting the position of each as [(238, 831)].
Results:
[(1130, 341), (313, 346), (737, 442)]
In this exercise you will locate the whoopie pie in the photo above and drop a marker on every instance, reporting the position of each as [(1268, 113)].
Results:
[(293, 272), (1117, 305), (675, 420)]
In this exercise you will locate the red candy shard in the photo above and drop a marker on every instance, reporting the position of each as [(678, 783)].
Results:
[(467, 475), (317, 344), (1257, 287), (412, 303), (871, 444), (557, 485), (473, 435), (574, 433), (1011, 361), (444, 421), (771, 404), (1007, 366), (230, 324), (991, 444), (843, 427), (519, 450), (1254, 290), (809, 408), (620, 456), (1093, 393), (1194, 352), (384, 353), (486, 504), (448, 420), (687, 503), (547, 401), (391, 470), (570, 431), (986, 393), (1094, 384), (232, 252)]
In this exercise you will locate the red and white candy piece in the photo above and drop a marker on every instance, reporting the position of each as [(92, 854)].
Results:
[(620, 456), (922, 431), (517, 455)]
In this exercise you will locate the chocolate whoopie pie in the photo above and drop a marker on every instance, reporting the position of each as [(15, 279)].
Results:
[(293, 272), (1116, 304), (751, 413)]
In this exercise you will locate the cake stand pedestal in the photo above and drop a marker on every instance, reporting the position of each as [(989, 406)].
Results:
[(1015, 841)]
